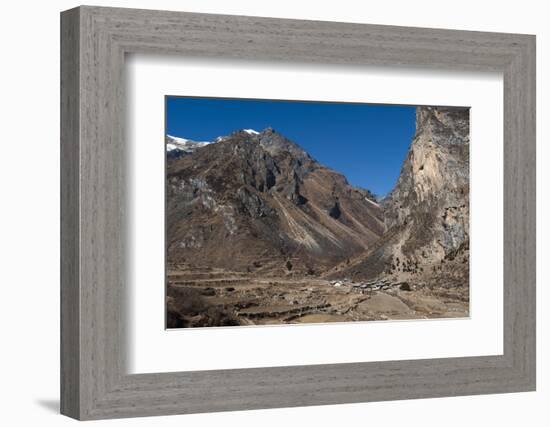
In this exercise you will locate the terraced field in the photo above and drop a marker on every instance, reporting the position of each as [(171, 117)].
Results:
[(215, 297)]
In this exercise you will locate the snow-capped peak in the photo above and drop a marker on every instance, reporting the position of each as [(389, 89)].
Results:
[(179, 146), (177, 139), (182, 144)]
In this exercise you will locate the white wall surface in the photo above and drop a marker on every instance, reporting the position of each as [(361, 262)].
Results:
[(29, 224)]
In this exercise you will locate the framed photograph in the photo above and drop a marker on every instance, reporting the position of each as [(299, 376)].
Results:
[(262, 213), (261, 230)]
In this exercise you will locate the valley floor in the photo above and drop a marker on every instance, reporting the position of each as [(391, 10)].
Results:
[(210, 297)]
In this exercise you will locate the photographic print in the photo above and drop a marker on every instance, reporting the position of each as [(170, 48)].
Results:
[(296, 212)]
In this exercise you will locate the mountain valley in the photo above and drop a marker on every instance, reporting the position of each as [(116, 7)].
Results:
[(259, 232)]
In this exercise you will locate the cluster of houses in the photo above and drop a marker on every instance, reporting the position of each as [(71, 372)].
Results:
[(375, 285)]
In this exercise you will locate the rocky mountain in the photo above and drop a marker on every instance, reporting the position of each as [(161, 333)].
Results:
[(426, 215), (256, 201)]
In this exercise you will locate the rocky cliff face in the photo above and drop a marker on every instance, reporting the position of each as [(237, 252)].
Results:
[(426, 215), (258, 202)]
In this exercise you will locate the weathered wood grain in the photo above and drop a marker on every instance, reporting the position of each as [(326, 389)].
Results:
[(70, 220), (94, 382)]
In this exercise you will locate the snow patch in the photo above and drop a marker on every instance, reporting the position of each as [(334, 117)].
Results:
[(183, 144), (177, 139), (251, 131)]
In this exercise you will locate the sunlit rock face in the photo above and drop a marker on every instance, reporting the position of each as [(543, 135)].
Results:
[(432, 192), (426, 215)]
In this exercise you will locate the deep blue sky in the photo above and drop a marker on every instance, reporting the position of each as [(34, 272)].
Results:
[(365, 142)]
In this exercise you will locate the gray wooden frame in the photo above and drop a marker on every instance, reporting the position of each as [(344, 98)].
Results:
[(94, 41)]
